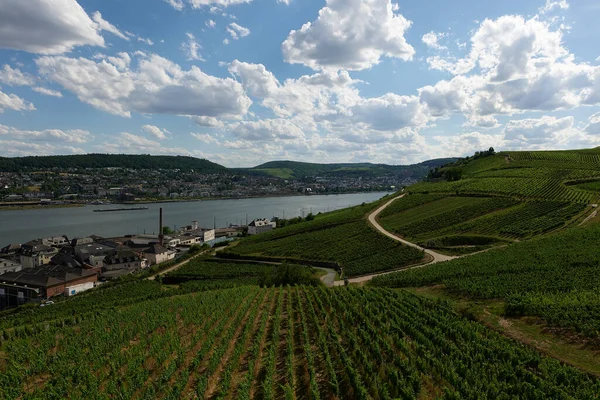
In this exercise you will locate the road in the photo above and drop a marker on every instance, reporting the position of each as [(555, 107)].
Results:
[(174, 267), (434, 256)]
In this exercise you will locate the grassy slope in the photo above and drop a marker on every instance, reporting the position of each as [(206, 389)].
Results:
[(535, 193), (343, 237)]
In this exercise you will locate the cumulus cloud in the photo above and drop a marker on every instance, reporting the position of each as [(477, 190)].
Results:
[(210, 23), (160, 134), (432, 39), (192, 48), (47, 135), (47, 92), (13, 102), (237, 31), (209, 122), (46, 27), (104, 25), (390, 112), (14, 77), (349, 34), (157, 85)]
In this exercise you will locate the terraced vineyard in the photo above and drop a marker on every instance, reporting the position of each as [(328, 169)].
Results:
[(289, 342), (554, 277), (344, 238)]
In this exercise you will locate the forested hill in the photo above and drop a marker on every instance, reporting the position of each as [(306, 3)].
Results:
[(137, 161), (280, 169), (295, 169)]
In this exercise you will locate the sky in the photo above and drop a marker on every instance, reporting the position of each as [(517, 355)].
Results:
[(243, 82)]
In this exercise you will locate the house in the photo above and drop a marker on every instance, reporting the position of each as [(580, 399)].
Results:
[(92, 254), (36, 253), (188, 239), (7, 265), (157, 254), (29, 284), (260, 226), (123, 258)]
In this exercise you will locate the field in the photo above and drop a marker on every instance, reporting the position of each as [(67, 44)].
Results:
[(342, 238), (554, 277), (287, 342)]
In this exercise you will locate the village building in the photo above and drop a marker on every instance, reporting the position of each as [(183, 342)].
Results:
[(260, 226)]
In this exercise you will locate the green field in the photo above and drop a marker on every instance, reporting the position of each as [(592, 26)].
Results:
[(342, 237), (281, 343), (555, 277)]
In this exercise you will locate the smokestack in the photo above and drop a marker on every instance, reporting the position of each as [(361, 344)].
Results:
[(161, 237)]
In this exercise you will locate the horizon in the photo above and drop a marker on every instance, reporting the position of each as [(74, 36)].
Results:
[(359, 81)]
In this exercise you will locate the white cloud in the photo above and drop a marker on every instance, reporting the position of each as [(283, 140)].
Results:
[(134, 144), (160, 134), (14, 102), (176, 4), (286, 2), (205, 138), (350, 34), (192, 48), (14, 148), (593, 126), (236, 31), (209, 122), (145, 40), (265, 130), (535, 131), (47, 135), (46, 27), (157, 85), (210, 23), (179, 4), (14, 77), (432, 39), (47, 92), (104, 25), (465, 144), (256, 79), (553, 4), (390, 112), (225, 41), (121, 61)]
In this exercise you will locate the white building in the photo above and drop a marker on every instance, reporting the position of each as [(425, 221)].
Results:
[(260, 226), (157, 254)]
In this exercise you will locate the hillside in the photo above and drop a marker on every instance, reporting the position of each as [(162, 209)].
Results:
[(298, 170), (132, 161), (495, 199)]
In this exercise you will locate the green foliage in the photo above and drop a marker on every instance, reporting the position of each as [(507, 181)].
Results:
[(268, 343), (287, 274), (555, 277), (342, 237), (167, 231)]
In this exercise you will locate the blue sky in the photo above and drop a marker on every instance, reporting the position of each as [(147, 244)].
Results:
[(241, 82)]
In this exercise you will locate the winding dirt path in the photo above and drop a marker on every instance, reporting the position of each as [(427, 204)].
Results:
[(435, 257)]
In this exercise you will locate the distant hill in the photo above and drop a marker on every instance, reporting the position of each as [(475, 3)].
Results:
[(140, 161), (279, 169), (295, 169)]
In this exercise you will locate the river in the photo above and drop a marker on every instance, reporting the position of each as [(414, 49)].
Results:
[(20, 226)]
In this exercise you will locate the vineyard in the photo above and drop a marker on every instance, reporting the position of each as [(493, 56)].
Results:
[(287, 342), (344, 238), (555, 277)]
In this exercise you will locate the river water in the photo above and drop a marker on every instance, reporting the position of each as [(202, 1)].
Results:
[(20, 226)]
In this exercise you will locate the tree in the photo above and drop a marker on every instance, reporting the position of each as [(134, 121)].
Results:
[(167, 231)]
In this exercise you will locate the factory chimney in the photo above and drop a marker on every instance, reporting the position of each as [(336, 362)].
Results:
[(160, 229)]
